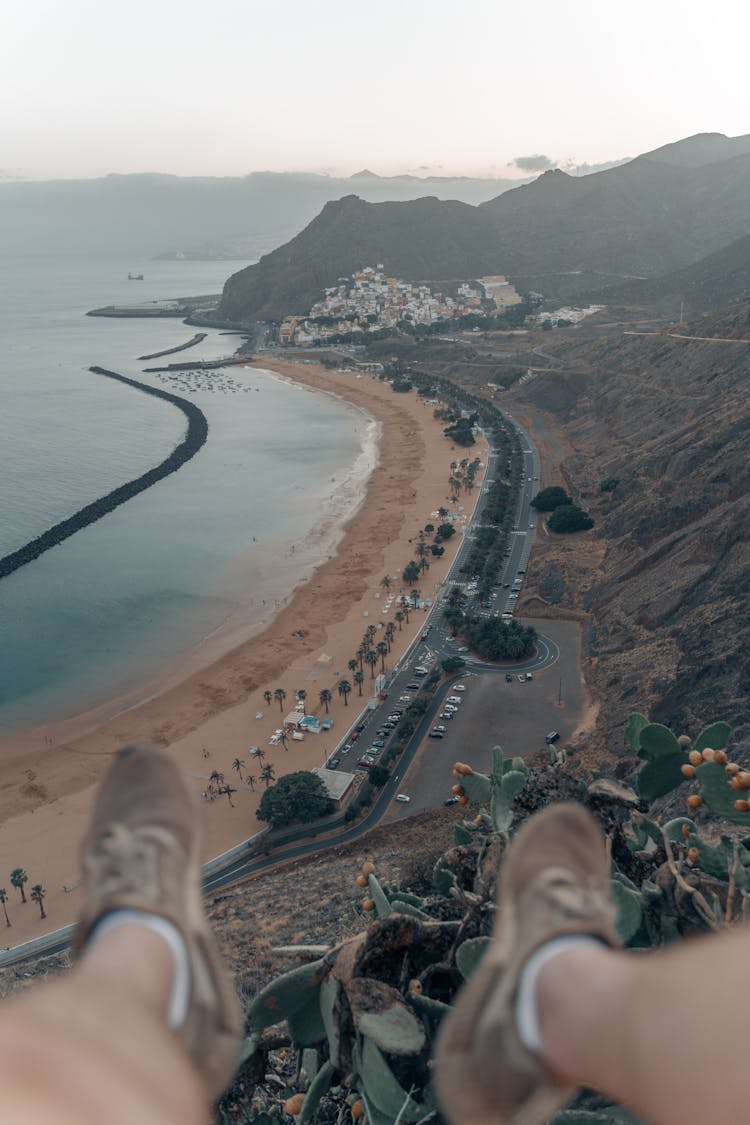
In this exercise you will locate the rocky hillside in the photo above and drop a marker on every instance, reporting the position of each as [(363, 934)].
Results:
[(668, 590), (560, 235)]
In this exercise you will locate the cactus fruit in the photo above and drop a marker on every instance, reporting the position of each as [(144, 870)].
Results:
[(368, 868), (368, 904), (742, 806), (687, 770), (293, 1105), (685, 741), (718, 792), (361, 880), (696, 758), (694, 801)]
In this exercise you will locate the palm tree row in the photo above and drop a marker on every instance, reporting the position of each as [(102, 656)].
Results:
[(37, 894)]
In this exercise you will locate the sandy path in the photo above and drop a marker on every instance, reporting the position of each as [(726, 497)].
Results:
[(209, 718)]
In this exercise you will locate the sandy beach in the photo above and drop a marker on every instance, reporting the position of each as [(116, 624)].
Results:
[(205, 710)]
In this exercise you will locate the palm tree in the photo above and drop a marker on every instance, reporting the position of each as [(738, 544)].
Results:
[(280, 694), (344, 687), (390, 629), (239, 766), (382, 648), (353, 665), (301, 696), (284, 737), (268, 774), (18, 877), (372, 659), (370, 631), (268, 696), (251, 780), (385, 582), (359, 679), (415, 597), (228, 791), (259, 754), (37, 895), (399, 615), (3, 900), (405, 607), (325, 695), (361, 656), (215, 781)]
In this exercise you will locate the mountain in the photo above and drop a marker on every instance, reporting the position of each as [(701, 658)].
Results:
[(425, 238), (219, 217), (708, 285), (664, 577), (560, 235)]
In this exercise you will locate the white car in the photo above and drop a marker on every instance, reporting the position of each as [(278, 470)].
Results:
[(454, 699), (449, 709), (459, 687), (403, 798)]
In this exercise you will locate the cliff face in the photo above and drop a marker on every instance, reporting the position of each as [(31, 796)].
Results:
[(670, 597)]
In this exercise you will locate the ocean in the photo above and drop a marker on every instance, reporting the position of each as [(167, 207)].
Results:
[(220, 541)]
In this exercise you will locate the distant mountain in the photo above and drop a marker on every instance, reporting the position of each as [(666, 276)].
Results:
[(708, 285), (560, 235), (425, 238), (232, 217)]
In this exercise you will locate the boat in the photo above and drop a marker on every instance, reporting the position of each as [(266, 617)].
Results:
[(135, 277)]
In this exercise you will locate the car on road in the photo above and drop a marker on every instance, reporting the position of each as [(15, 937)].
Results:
[(450, 801), (333, 764), (508, 678), (394, 718), (403, 798), (459, 687), (419, 671), (446, 714), (462, 648), (405, 698), (506, 585), (412, 687), (552, 737), (388, 727), (436, 734), (360, 727), (529, 675)]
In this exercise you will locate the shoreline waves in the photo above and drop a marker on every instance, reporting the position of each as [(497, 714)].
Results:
[(204, 707)]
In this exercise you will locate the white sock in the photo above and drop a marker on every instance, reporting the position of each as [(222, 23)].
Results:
[(527, 1015), (179, 999)]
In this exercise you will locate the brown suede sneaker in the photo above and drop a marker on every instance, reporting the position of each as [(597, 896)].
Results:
[(554, 882), (143, 852)]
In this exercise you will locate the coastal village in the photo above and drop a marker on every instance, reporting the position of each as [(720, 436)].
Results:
[(370, 302)]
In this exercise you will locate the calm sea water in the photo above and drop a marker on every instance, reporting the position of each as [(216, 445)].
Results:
[(124, 597)]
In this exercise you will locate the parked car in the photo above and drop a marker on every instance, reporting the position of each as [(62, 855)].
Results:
[(354, 735), (405, 698), (365, 763), (403, 798), (361, 727), (529, 676), (522, 679), (508, 678), (379, 743), (450, 801), (459, 687), (552, 737), (333, 764), (347, 748), (412, 687), (450, 708), (454, 699), (438, 727), (436, 734), (446, 714), (462, 648)]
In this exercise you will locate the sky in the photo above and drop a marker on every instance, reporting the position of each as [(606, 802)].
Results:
[(227, 87)]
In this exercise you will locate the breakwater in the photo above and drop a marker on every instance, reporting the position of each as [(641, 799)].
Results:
[(196, 339), (195, 437), (203, 364)]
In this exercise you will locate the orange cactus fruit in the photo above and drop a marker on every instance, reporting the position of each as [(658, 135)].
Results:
[(684, 740), (686, 831), (694, 802), (456, 773), (695, 757), (293, 1105), (368, 868), (692, 855), (463, 800), (357, 1110), (708, 754), (415, 987), (731, 767), (742, 806), (735, 783), (687, 770), (457, 790), (720, 756), (744, 779), (361, 880), (368, 904)]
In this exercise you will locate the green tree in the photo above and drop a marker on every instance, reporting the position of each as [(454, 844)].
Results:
[(399, 615), (378, 776), (382, 649), (609, 484), (238, 766), (445, 531), (3, 900), (280, 694), (325, 695), (550, 498), (359, 679), (268, 696), (569, 518), (344, 687), (385, 582), (295, 796), (267, 774), (18, 877), (372, 658), (410, 573), (37, 895), (352, 665), (452, 664), (252, 781)]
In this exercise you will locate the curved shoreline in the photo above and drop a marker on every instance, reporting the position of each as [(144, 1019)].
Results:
[(195, 438)]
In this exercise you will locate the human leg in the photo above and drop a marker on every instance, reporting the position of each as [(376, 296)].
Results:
[(145, 1027)]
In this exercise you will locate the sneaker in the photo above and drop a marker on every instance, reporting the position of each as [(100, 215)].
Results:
[(554, 881), (143, 852)]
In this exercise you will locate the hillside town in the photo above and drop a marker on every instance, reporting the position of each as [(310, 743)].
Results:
[(370, 302)]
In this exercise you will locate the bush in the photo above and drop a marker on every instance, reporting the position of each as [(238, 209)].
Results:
[(452, 664), (378, 776), (569, 518), (296, 796), (550, 498)]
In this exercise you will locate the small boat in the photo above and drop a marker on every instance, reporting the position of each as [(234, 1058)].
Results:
[(135, 277)]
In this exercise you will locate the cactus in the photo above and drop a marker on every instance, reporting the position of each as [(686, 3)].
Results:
[(718, 793), (469, 954), (716, 736), (379, 897), (380, 1087), (306, 1025), (461, 835), (380, 1012), (664, 758), (286, 995), (443, 879), (398, 907), (633, 728), (318, 1087), (629, 910), (476, 787)]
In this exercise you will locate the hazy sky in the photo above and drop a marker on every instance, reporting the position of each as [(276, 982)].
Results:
[(225, 87)]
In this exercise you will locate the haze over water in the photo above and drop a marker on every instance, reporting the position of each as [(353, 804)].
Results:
[(126, 596)]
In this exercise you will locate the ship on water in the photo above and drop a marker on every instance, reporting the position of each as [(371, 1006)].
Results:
[(135, 277)]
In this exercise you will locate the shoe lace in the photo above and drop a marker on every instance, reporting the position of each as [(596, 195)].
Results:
[(144, 861), (573, 898)]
